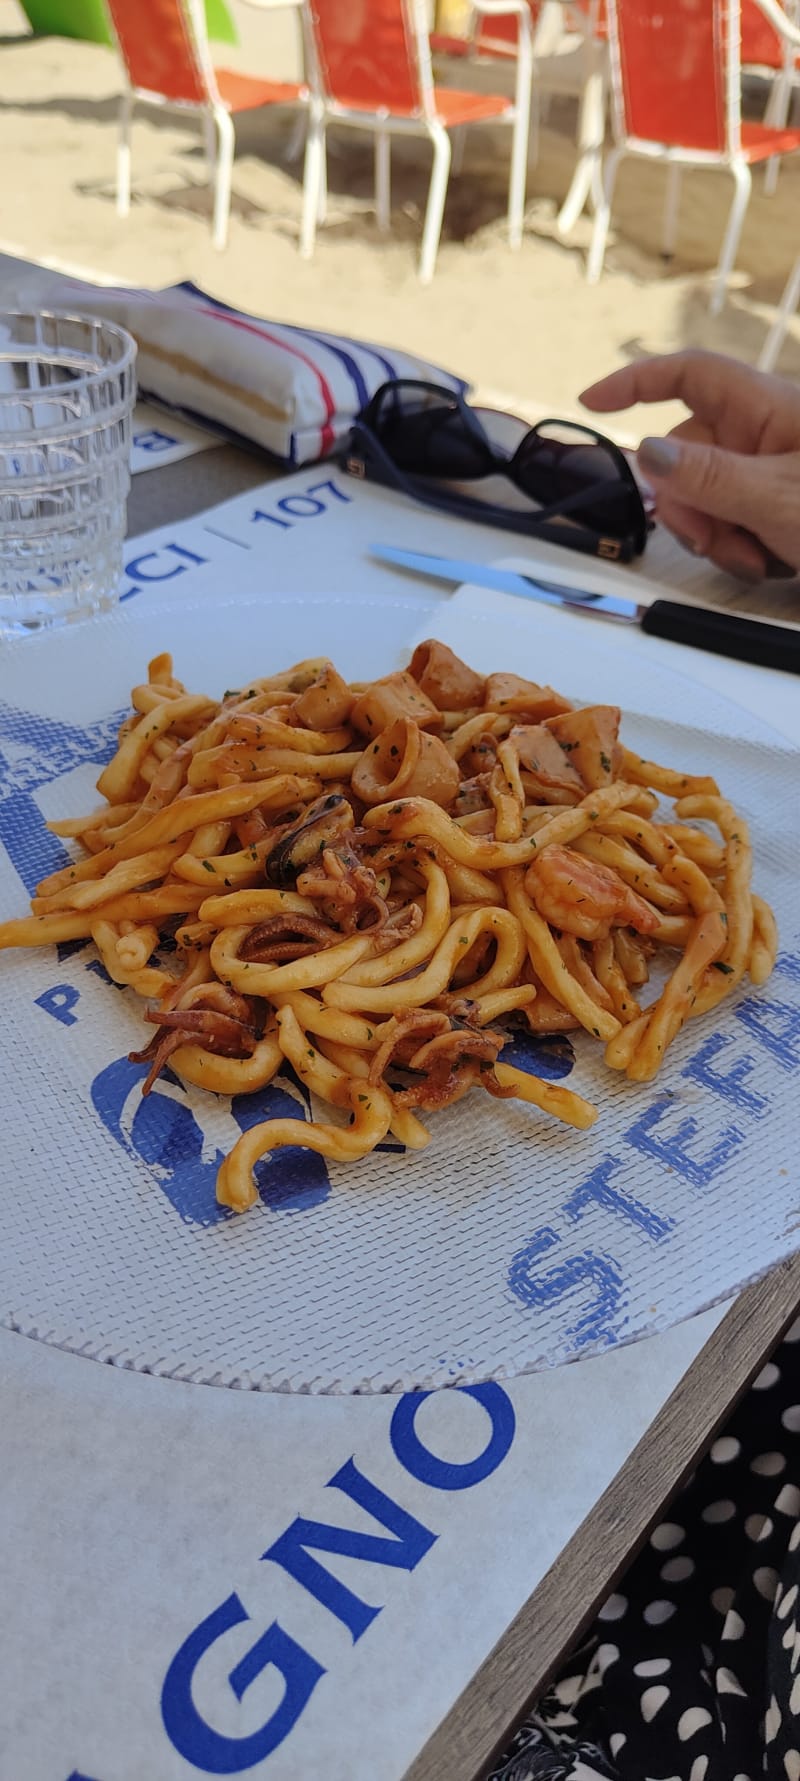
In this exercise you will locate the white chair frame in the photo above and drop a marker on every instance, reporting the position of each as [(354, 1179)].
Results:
[(786, 308), (587, 180), (782, 87), (568, 60), (730, 159), (217, 122), (324, 111)]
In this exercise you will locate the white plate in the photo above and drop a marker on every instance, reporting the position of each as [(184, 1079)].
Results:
[(511, 1243)]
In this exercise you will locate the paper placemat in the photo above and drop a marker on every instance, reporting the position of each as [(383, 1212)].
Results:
[(510, 1244), (139, 1512), (159, 437)]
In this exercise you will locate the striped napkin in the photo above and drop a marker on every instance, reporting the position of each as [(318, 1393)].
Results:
[(293, 391)]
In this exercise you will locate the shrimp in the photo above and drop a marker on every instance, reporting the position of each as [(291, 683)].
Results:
[(581, 897)]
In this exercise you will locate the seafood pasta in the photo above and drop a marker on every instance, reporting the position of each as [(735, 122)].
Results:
[(374, 883)]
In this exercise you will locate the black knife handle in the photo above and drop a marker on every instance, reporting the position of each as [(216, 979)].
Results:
[(748, 639)]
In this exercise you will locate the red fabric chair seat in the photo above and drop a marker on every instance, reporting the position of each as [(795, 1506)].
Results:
[(449, 46), (455, 108), (759, 142), (452, 107), (459, 48), (245, 92)]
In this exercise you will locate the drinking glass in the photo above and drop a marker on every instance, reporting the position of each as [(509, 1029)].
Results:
[(67, 389)]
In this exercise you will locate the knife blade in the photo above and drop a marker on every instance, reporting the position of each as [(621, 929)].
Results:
[(703, 627)]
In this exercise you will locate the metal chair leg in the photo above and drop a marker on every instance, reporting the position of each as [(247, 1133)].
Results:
[(743, 182), (383, 180), (540, 105), (223, 175), (788, 304), (591, 139), (296, 143), (587, 178), (517, 182), (597, 247), (671, 204), (210, 140), (437, 193), (322, 207), (124, 155), (520, 141), (458, 145), (777, 116), (313, 174)]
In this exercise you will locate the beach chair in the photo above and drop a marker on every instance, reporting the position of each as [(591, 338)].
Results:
[(764, 50), (88, 20), (490, 35), (370, 68), (766, 53), (165, 53), (569, 61), (676, 89)]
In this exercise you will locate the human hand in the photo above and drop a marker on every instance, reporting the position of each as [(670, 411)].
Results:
[(727, 480)]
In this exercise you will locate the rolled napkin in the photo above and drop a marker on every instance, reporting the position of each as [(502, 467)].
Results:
[(293, 391)]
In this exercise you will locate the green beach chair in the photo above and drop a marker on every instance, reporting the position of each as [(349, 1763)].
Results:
[(88, 20)]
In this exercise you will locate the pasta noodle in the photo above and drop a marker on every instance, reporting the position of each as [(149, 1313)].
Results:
[(369, 883)]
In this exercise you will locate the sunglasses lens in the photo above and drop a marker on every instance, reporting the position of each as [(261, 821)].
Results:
[(426, 433), (559, 461), (429, 434)]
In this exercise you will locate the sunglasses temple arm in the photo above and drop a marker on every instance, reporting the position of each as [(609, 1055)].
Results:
[(581, 538)]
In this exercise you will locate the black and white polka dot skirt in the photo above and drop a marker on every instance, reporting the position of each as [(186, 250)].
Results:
[(692, 1669)]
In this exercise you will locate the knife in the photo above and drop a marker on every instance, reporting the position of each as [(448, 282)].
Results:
[(747, 639)]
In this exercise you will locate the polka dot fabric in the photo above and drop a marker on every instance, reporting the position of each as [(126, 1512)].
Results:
[(692, 1672)]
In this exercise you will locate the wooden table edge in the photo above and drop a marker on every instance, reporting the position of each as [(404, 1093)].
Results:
[(493, 1704)]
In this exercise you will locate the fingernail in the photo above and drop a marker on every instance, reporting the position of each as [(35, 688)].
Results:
[(658, 457), (688, 543)]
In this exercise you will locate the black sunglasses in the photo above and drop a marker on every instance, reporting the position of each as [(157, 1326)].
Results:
[(412, 435)]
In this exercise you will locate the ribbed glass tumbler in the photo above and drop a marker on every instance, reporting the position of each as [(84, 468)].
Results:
[(67, 389)]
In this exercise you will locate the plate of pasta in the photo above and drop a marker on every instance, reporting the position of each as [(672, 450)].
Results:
[(379, 1019)]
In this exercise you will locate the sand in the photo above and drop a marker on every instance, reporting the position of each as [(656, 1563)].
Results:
[(524, 327)]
